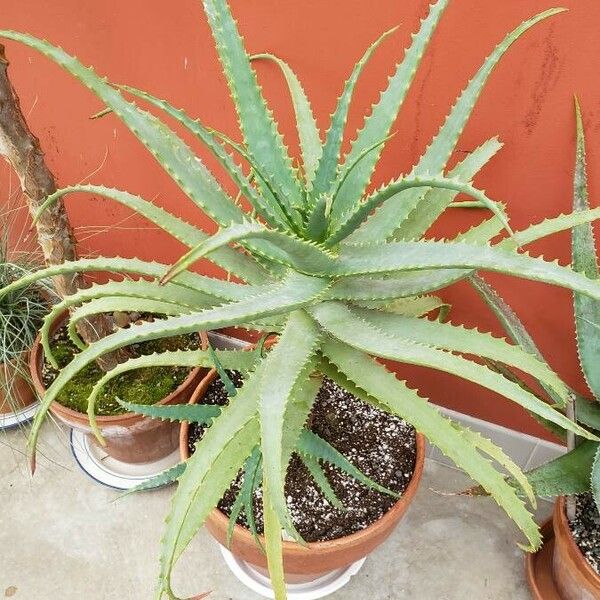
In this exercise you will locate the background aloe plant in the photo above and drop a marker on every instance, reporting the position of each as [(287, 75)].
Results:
[(577, 471), (341, 273)]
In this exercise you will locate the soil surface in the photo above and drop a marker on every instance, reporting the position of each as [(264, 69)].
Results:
[(586, 529), (383, 447), (142, 386)]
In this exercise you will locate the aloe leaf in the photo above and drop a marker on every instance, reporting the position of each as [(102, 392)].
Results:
[(388, 218), (588, 412), (167, 477), (256, 122), (282, 369), (466, 341), (402, 285), (222, 372), (568, 474), (243, 501), (587, 310), (328, 165), (414, 306), (226, 290), (118, 304), (184, 298), (296, 291), (263, 205), (219, 455), (497, 454), (512, 324), (308, 132), (353, 331), (192, 413), (346, 223), (595, 479), (178, 228), (274, 545), (282, 248), (383, 114), (410, 256), (311, 444), (316, 226), (319, 477), (436, 201), (382, 385)]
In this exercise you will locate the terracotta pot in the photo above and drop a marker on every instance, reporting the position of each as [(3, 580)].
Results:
[(129, 437), (560, 571), (314, 558), (22, 395)]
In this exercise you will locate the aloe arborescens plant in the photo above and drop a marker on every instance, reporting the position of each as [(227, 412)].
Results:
[(324, 263)]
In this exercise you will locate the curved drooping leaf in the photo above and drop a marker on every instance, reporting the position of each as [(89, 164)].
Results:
[(118, 304), (256, 122), (328, 164), (497, 454), (296, 291), (178, 228), (186, 298), (227, 290), (348, 222), (466, 341), (341, 323), (382, 385), (388, 219), (585, 260), (436, 201), (308, 132), (383, 114), (411, 256), (413, 306)]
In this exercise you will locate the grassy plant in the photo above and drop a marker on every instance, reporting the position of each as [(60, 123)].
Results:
[(23, 309), (340, 272)]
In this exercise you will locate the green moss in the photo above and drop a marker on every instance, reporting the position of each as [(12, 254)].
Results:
[(143, 386)]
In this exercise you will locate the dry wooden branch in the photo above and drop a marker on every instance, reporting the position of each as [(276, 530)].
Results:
[(22, 150)]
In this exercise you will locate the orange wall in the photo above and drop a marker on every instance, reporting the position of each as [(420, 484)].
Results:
[(165, 47)]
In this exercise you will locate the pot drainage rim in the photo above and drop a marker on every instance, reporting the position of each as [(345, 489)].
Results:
[(19, 417), (112, 473), (318, 588)]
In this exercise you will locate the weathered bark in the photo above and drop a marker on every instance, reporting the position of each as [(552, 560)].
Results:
[(22, 150)]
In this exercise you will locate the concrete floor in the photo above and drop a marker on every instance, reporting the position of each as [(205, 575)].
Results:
[(62, 537)]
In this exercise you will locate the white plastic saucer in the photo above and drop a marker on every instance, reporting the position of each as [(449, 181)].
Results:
[(113, 473), (19, 417), (311, 590)]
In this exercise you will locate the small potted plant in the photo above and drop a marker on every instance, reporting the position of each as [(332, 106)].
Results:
[(342, 276), (568, 565), (21, 314)]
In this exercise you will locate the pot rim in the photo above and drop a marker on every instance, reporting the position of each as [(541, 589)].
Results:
[(293, 547), (562, 529), (35, 363)]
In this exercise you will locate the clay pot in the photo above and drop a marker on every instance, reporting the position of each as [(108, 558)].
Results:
[(22, 395), (130, 438), (560, 571), (314, 558)]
